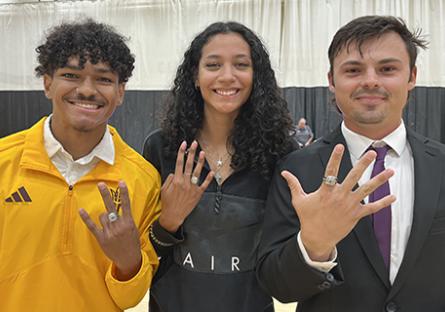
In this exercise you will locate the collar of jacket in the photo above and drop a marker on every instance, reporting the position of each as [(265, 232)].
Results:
[(35, 157)]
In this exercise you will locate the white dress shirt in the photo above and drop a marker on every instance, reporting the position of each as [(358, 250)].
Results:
[(72, 170), (400, 159)]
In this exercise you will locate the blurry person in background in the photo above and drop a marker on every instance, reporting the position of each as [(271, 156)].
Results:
[(303, 133)]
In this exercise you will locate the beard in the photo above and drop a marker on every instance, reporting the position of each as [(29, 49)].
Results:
[(369, 117)]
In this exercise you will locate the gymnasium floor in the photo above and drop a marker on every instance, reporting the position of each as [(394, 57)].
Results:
[(279, 307)]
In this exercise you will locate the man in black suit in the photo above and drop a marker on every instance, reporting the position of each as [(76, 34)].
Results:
[(333, 247)]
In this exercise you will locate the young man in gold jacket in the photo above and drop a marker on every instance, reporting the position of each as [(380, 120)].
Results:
[(76, 201)]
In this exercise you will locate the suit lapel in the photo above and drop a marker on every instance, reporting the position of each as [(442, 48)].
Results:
[(363, 230), (427, 168)]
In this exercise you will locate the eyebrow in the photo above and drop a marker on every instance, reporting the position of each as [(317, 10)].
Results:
[(383, 61), (390, 60), (216, 56), (74, 67), (96, 69)]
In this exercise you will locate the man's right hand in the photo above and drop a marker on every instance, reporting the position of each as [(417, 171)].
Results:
[(331, 212)]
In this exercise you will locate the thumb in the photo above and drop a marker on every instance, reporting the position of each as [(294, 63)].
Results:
[(294, 185)]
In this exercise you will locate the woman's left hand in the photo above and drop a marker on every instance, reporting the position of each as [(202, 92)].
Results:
[(181, 191)]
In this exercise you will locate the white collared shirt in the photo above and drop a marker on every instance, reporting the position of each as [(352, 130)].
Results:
[(400, 159), (73, 170)]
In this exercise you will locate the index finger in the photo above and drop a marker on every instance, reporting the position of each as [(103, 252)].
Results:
[(90, 223), (334, 163), (180, 160)]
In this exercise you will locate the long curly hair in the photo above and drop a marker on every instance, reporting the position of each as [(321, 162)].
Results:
[(261, 132), (87, 40)]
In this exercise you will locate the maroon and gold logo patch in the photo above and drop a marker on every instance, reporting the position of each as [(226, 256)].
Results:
[(116, 196)]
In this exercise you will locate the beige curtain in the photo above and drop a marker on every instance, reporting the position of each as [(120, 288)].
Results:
[(309, 25), (296, 32)]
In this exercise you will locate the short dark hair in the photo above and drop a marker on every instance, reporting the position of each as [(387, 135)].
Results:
[(87, 40), (261, 131), (364, 28)]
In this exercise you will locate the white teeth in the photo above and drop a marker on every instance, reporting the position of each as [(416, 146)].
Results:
[(89, 106), (226, 92)]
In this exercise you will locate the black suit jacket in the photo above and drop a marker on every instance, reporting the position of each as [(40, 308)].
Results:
[(360, 281)]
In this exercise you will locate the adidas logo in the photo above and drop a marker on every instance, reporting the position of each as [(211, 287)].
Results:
[(19, 197)]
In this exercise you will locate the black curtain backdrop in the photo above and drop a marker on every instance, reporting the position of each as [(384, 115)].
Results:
[(141, 111)]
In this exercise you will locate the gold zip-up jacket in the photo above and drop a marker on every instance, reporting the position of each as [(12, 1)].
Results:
[(49, 260)]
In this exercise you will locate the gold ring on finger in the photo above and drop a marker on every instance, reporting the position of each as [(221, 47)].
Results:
[(330, 180)]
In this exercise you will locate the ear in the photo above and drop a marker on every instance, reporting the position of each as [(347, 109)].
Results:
[(121, 93), (196, 77), (47, 82), (412, 78), (331, 81)]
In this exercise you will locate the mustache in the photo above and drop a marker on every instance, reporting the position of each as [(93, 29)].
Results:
[(377, 92), (81, 98)]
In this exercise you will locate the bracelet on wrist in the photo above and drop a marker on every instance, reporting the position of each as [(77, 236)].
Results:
[(156, 240)]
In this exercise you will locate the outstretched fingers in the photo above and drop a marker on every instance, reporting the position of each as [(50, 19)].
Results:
[(207, 181), (89, 223), (373, 207), (190, 160), (333, 165), (180, 160), (197, 172), (198, 167), (370, 186), (125, 200), (106, 197), (357, 171)]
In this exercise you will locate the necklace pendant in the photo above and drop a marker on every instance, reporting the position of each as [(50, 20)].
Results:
[(218, 178), (219, 163)]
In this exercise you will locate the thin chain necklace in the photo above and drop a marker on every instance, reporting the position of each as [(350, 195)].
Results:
[(220, 162)]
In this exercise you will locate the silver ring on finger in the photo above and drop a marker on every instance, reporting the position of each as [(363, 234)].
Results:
[(194, 180), (330, 180), (112, 217)]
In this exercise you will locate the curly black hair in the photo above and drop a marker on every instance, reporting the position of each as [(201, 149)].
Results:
[(261, 133), (87, 40)]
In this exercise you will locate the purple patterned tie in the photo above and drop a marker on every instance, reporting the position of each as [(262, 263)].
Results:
[(382, 219)]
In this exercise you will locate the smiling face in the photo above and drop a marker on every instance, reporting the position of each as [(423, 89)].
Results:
[(371, 89), (225, 74), (83, 98)]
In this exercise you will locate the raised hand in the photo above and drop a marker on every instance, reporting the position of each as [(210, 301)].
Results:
[(118, 237), (181, 191), (331, 212)]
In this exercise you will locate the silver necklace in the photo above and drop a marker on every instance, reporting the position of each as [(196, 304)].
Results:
[(220, 162), (219, 165)]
